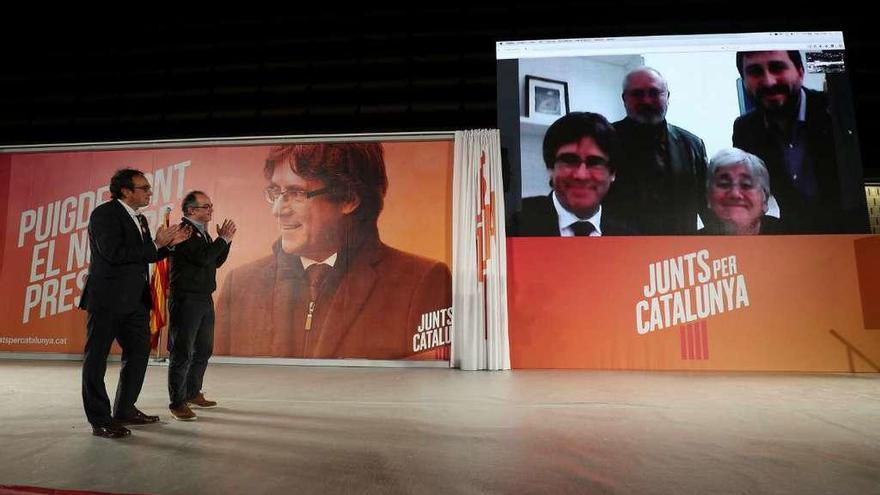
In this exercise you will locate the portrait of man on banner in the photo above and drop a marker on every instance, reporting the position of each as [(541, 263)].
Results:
[(330, 287)]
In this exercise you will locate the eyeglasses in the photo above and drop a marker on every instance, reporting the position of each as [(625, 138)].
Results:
[(641, 93), (146, 188), (209, 205), (728, 185), (572, 161), (274, 193)]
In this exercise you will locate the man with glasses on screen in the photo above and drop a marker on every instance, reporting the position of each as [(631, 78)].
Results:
[(791, 130), (661, 171), (192, 278), (579, 151), (331, 288)]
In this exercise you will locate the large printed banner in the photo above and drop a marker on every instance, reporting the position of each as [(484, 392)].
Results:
[(383, 300), (780, 303)]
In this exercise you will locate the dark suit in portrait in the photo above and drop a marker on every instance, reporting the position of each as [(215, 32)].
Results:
[(818, 211), (369, 305), (661, 178), (538, 218), (769, 226)]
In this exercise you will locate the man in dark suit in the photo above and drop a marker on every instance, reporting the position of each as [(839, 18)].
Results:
[(194, 264), (792, 131), (331, 288), (579, 150), (117, 298), (661, 170)]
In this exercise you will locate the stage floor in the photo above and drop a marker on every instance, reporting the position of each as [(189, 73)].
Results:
[(284, 429)]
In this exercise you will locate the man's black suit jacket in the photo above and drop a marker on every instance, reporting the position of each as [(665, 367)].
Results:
[(194, 263), (651, 201), (538, 218), (119, 267), (823, 214)]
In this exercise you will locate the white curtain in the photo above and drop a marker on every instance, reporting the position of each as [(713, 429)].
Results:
[(479, 254)]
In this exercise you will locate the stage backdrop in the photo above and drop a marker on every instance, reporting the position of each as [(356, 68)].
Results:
[(786, 303), (45, 252), (653, 289)]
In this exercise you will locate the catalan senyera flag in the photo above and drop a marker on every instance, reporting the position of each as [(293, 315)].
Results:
[(159, 295)]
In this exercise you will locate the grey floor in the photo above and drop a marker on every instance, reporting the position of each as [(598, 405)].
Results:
[(283, 429)]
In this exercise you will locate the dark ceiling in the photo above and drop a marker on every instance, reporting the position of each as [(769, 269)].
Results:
[(107, 77)]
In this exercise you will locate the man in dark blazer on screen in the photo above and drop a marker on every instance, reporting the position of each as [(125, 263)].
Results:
[(792, 131), (579, 151), (661, 169)]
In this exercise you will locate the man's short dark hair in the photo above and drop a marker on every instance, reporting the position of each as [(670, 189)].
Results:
[(189, 201), (123, 178), (574, 126), (350, 170), (793, 55)]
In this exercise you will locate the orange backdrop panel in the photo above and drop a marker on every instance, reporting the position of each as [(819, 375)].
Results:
[(416, 219), (573, 304)]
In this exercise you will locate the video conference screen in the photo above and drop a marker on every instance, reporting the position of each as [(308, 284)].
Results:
[(722, 134)]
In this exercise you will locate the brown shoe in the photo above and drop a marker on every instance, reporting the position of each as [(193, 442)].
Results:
[(200, 401), (183, 413)]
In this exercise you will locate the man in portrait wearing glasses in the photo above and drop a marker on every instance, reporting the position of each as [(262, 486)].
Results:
[(117, 299), (331, 288), (661, 170), (192, 278), (579, 152)]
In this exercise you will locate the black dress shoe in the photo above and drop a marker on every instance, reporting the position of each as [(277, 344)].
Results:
[(138, 418), (111, 431)]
